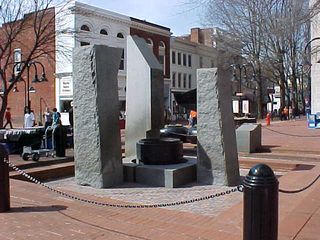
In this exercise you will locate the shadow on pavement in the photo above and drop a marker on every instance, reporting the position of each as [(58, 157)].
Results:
[(52, 208)]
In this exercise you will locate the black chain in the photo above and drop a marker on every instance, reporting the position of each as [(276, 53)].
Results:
[(291, 135), (159, 205), (302, 189)]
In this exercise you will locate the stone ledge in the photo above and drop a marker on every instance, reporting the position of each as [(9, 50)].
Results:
[(169, 176)]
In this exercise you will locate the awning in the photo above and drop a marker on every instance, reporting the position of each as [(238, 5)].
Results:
[(187, 99)]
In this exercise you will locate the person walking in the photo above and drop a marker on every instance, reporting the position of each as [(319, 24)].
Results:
[(29, 119), (71, 114), (47, 118), (193, 118), (8, 118), (55, 117)]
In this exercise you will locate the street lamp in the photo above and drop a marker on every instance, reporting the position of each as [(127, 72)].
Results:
[(241, 68), (36, 79)]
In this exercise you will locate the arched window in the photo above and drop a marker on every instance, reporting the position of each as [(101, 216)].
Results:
[(120, 35), (149, 41), (103, 32), (162, 53), (85, 28), (162, 45)]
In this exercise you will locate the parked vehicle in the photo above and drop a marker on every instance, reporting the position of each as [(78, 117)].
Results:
[(181, 132)]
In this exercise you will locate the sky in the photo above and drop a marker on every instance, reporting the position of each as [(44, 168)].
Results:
[(177, 15)]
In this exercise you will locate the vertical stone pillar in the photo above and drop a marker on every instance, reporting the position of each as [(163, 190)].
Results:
[(144, 96), (217, 147), (97, 142), (4, 182)]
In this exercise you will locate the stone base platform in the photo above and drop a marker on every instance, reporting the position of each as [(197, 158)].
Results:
[(169, 176)]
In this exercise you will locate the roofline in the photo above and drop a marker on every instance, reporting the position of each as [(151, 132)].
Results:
[(149, 23)]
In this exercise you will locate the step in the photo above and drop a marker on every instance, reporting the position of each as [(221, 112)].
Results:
[(48, 172), (42, 162), (276, 165), (290, 157)]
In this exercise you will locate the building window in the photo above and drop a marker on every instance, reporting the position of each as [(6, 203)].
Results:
[(184, 59), (161, 59), (179, 80), (201, 62), (121, 67), (189, 61), (212, 63), (85, 28), (173, 79), (17, 59), (184, 80), (190, 80), (120, 35), (103, 32), (173, 58), (162, 45), (149, 41), (84, 44), (162, 52), (179, 58)]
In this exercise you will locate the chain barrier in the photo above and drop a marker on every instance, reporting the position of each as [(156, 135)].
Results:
[(302, 189), (291, 135), (104, 204)]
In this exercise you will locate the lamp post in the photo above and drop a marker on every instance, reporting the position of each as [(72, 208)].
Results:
[(36, 79), (241, 68), (302, 87)]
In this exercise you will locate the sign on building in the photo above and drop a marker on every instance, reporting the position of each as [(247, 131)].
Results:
[(66, 87), (245, 106)]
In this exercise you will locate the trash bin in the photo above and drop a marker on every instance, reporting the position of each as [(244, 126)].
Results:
[(60, 140)]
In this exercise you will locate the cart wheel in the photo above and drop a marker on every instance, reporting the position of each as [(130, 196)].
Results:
[(35, 157), (25, 156)]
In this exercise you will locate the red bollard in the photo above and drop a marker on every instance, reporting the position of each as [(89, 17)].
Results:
[(4, 181), (268, 119)]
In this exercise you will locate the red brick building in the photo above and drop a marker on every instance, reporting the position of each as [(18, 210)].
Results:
[(31, 44), (159, 43)]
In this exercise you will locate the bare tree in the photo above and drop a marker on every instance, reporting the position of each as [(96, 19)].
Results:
[(29, 25), (272, 32)]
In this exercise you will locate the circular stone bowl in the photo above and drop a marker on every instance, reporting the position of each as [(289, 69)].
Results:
[(160, 151)]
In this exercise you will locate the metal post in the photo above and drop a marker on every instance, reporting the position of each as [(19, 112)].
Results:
[(28, 87), (260, 204), (4, 181)]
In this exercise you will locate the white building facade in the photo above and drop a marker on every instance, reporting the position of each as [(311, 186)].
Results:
[(80, 25), (186, 57), (315, 64)]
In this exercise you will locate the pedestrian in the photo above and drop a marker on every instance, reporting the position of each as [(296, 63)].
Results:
[(193, 118), (8, 118), (29, 119), (55, 117), (290, 113), (47, 118), (71, 114), (286, 113), (33, 118)]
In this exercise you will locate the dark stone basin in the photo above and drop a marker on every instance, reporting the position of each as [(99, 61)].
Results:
[(160, 151)]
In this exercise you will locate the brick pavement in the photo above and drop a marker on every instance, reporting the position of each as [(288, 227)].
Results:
[(40, 214)]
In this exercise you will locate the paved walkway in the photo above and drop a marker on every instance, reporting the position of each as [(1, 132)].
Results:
[(38, 213)]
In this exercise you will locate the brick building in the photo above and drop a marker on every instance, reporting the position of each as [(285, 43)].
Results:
[(23, 49), (77, 25)]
